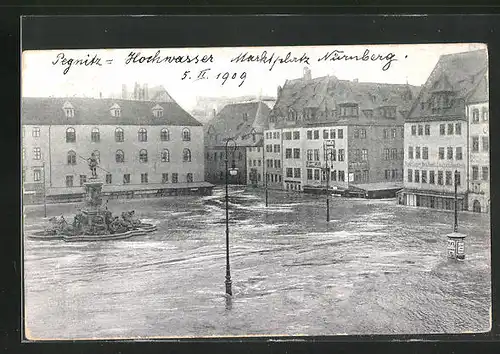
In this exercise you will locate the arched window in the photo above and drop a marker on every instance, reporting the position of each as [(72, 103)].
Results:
[(95, 135), (186, 134), (143, 134), (165, 155), (475, 115), (189, 177), (70, 135), (120, 156), (165, 135), (119, 135), (143, 155), (71, 157), (186, 155), (97, 155)]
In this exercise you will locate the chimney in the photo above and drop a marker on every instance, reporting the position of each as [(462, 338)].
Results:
[(124, 91), (355, 80), (146, 92), (307, 74), (136, 91), (214, 112)]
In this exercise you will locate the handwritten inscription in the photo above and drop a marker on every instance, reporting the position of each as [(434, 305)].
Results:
[(223, 77), (157, 58), (68, 63), (338, 55), (272, 59)]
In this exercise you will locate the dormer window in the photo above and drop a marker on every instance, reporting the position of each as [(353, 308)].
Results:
[(69, 110), (349, 110), (116, 111), (157, 111), (389, 112), (368, 113)]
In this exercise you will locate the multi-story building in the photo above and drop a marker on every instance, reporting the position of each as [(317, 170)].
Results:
[(245, 124), (142, 147), (273, 155), (353, 128), (442, 134)]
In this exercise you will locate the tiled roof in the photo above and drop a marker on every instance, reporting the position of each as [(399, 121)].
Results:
[(92, 111), (460, 74), (326, 93), (230, 123)]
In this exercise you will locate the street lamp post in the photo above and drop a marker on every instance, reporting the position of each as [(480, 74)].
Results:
[(328, 153), (44, 193), (233, 172), (455, 224), (264, 176)]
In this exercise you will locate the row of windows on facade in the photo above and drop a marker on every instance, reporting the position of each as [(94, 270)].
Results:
[(316, 174), (127, 179), (119, 155), (314, 134), (95, 135), (115, 111), (443, 177), (222, 156), (423, 153), (453, 129), (475, 114), (345, 110), (392, 174)]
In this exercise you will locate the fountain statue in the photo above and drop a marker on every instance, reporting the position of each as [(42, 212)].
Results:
[(93, 221)]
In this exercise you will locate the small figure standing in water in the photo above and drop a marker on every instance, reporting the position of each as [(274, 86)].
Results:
[(93, 165)]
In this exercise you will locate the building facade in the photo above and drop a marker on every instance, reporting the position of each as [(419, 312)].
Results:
[(443, 135), (140, 145)]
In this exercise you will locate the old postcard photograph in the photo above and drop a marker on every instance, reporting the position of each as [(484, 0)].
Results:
[(255, 191)]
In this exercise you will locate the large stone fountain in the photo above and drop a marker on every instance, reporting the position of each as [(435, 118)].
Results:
[(93, 222)]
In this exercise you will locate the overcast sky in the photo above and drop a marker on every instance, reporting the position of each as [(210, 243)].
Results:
[(40, 78)]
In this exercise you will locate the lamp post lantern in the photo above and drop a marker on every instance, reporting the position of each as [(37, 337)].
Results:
[(233, 171)]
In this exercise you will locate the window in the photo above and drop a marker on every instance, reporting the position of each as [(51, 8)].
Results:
[(274, 135), (259, 162), (186, 155), (143, 155), (475, 173), (109, 178), (277, 163), (457, 178), (164, 177), (37, 175), (341, 155), (458, 128), (71, 157), (309, 174), (424, 176), (296, 153), (316, 134), (164, 135), (365, 176), (341, 176), (420, 129), (316, 154), (475, 115), (475, 144), (441, 153), (144, 178), (277, 135), (356, 133), (333, 155), (296, 135), (427, 129), (165, 155), (394, 154), (289, 172), (340, 134), (277, 148), (186, 134), (309, 135), (70, 135), (410, 175), (126, 178), (442, 129), (269, 148), (448, 178), (417, 176), (431, 177), (37, 153), (440, 178), (189, 178), (296, 172), (386, 133), (36, 132), (288, 153), (410, 152), (143, 135), (417, 152), (450, 129), (425, 153), (286, 136), (119, 156), (357, 155), (332, 133), (362, 133), (158, 111), (485, 173), (316, 174), (69, 181), (325, 134), (364, 154), (458, 153), (486, 145), (413, 130), (95, 136), (387, 174), (83, 180), (119, 135), (70, 112), (393, 133), (449, 154), (484, 111), (309, 154)]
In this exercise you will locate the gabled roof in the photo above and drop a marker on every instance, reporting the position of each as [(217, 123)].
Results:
[(230, 122), (91, 111), (458, 73)]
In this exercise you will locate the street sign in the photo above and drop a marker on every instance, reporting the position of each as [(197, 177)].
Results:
[(330, 143)]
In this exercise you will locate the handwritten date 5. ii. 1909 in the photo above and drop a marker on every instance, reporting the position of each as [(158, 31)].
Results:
[(223, 77)]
